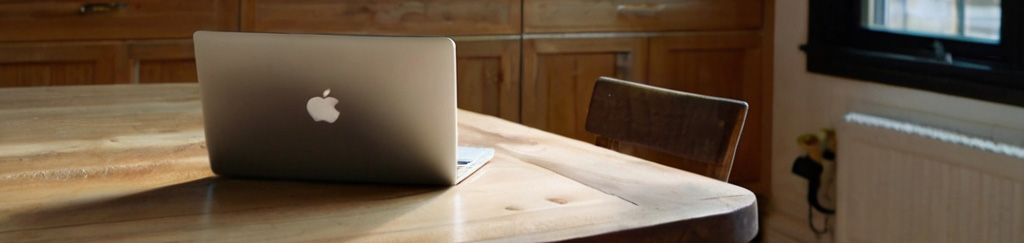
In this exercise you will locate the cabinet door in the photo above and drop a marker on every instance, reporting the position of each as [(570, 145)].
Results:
[(164, 61), (559, 76), (718, 64), (488, 77), (42, 64)]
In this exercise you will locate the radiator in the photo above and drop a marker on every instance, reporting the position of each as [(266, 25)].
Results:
[(903, 182)]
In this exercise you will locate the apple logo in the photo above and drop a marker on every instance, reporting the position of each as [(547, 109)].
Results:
[(322, 108)]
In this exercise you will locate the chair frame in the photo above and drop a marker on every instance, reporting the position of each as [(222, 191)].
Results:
[(697, 127)]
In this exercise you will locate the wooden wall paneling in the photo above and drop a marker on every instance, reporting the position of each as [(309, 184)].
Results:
[(162, 61), (137, 19), (77, 63), (488, 76), (725, 64), (559, 76), (649, 15), (455, 17)]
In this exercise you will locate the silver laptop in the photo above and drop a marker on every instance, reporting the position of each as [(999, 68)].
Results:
[(331, 107)]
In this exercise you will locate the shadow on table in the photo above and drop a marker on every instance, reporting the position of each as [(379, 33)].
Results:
[(226, 205)]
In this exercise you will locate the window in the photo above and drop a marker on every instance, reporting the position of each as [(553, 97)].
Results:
[(971, 48), (966, 20)]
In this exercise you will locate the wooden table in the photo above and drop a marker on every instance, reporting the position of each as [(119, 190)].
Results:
[(128, 162)]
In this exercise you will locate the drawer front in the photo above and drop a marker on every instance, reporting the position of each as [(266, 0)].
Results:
[(640, 15), (62, 63), (427, 17), (120, 19), (162, 61)]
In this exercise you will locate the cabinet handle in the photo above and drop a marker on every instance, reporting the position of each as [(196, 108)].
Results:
[(644, 9), (100, 7)]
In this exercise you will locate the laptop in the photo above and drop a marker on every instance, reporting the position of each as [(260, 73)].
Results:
[(332, 107)]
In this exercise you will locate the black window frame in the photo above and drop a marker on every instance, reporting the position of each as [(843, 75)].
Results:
[(837, 44)]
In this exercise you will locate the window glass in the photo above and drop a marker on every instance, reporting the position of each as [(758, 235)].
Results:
[(968, 20)]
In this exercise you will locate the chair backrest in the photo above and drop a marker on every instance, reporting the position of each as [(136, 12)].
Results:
[(696, 127)]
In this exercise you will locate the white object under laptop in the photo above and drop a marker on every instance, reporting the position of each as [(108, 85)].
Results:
[(331, 107)]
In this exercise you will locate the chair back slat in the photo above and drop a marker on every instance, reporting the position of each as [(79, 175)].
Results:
[(696, 127)]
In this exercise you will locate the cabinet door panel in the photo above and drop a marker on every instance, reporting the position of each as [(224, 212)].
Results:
[(41, 64), (42, 74), (719, 64), (559, 76), (164, 61), (167, 71), (488, 77)]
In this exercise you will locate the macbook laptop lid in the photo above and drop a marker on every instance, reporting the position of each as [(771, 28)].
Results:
[(329, 107)]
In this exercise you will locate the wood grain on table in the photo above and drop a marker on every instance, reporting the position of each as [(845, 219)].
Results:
[(128, 162)]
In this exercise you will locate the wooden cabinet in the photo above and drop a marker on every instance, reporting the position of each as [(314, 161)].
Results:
[(165, 61), (488, 76), (559, 76), (63, 42), (647, 15), (105, 62), (113, 20), (402, 17), (41, 64), (724, 64)]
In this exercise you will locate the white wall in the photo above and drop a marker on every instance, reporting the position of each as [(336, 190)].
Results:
[(806, 102)]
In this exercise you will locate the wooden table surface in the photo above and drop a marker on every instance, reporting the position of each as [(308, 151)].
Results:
[(128, 162)]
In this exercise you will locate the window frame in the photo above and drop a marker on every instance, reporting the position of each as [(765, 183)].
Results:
[(838, 45)]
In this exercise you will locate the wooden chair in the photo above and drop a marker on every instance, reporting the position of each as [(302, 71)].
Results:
[(696, 127)]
